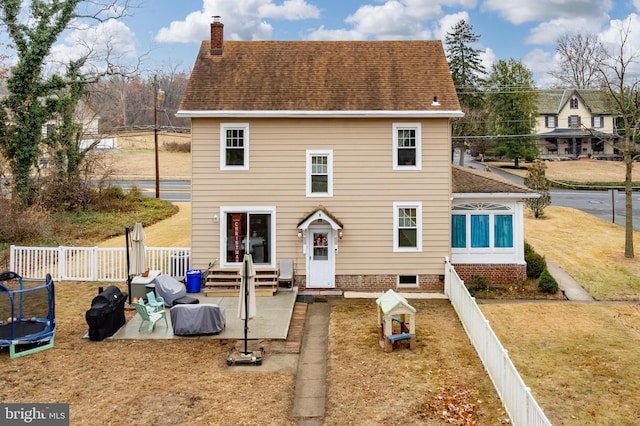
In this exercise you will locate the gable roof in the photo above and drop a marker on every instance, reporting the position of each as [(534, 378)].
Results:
[(553, 101), (338, 77), (466, 180)]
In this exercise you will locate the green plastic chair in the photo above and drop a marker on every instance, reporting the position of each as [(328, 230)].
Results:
[(156, 303), (149, 316)]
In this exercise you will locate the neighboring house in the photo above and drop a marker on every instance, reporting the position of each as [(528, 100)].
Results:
[(487, 226), (334, 154), (576, 123)]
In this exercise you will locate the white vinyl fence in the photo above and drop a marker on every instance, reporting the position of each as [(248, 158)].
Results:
[(92, 263), (516, 396)]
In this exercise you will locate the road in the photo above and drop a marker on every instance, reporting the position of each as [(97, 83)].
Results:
[(603, 204), (175, 191)]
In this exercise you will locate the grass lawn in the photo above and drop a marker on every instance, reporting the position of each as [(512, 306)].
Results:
[(579, 359)]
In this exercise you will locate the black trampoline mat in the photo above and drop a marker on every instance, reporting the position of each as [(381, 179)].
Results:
[(21, 329)]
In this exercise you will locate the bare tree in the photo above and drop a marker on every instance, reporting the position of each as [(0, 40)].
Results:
[(37, 94), (624, 89), (579, 55)]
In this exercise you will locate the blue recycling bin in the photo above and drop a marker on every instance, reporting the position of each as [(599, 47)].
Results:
[(193, 280)]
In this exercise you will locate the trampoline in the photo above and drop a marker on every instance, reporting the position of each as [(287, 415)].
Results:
[(27, 314)]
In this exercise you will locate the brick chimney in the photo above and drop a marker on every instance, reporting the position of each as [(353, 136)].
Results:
[(217, 36)]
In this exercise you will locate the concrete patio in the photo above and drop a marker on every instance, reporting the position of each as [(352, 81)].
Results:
[(272, 320)]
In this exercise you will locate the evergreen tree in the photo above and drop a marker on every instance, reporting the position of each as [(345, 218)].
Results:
[(467, 72), (536, 179), (465, 64), (511, 100)]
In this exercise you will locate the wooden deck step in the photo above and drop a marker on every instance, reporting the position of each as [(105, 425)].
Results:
[(226, 282)]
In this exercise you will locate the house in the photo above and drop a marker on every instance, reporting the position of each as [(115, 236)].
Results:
[(335, 154), (576, 123), (487, 226)]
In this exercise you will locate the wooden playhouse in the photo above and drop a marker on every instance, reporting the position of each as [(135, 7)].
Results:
[(396, 321)]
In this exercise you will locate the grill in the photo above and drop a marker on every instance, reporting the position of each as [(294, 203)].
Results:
[(106, 314)]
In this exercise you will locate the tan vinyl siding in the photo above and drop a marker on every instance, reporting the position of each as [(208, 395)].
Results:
[(364, 189)]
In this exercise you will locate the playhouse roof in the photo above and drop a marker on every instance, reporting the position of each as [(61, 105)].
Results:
[(392, 301)]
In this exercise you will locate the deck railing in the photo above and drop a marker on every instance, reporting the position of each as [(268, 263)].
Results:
[(92, 263), (516, 396)]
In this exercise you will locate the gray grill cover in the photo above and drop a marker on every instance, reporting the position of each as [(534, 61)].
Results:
[(197, 319), (169, 289)]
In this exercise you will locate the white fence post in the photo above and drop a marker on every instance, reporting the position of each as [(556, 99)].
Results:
[(516, 396), (92, 263)]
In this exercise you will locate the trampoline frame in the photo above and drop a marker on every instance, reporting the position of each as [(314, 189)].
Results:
[(37, 341)]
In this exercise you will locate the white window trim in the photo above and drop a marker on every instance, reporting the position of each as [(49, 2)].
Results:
[(223, 145), (246, 209), (416, 285), (329, 154), (396, 219), (486, 209), (418, 128)]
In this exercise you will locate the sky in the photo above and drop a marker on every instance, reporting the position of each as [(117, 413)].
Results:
[(167, 33)]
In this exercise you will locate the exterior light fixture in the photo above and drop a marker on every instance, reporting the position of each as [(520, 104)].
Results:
[(340, 234), (299, 233)]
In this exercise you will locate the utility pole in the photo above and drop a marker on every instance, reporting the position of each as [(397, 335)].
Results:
[(156, 94)]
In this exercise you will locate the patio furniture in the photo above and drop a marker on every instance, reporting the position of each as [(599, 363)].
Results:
[(149, 316), (172, 291), (285, 273), (189, 320), (156, 303)]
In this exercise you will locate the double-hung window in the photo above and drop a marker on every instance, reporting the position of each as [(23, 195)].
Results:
[(407, 146), (234, 146), (574, 121), (319, 173), (481, 226), (597, 121), (407, 223), (551, 121)]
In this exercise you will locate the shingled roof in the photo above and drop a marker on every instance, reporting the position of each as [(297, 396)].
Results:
[(552, 101), (321, 76), (467, 180)]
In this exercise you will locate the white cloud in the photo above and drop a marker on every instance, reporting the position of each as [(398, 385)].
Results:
[(445, 24), (488, 58), (549, 32), (290, 10), (521, 11), (243, 19), (110, 37), (324, 34)]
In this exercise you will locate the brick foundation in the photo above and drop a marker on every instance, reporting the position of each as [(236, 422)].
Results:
[(378, 283), (496, 275)]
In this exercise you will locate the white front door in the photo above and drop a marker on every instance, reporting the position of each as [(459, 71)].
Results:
[(320, 257)]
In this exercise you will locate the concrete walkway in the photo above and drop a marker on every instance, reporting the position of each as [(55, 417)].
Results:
[(311, 387), (572, 290)]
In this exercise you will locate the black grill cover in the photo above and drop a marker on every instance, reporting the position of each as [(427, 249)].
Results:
[(106, 315)]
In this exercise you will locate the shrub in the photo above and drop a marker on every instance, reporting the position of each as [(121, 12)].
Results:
[(478, 282), (547, 283), (22, 227), (535, 262), (177, 147)]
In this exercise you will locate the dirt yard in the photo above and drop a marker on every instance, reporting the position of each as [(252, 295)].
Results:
[(187, 381)]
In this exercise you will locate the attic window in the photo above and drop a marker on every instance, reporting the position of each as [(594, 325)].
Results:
[(573, 103)]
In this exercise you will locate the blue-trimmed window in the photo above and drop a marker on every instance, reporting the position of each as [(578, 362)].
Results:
[(481, 226)]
